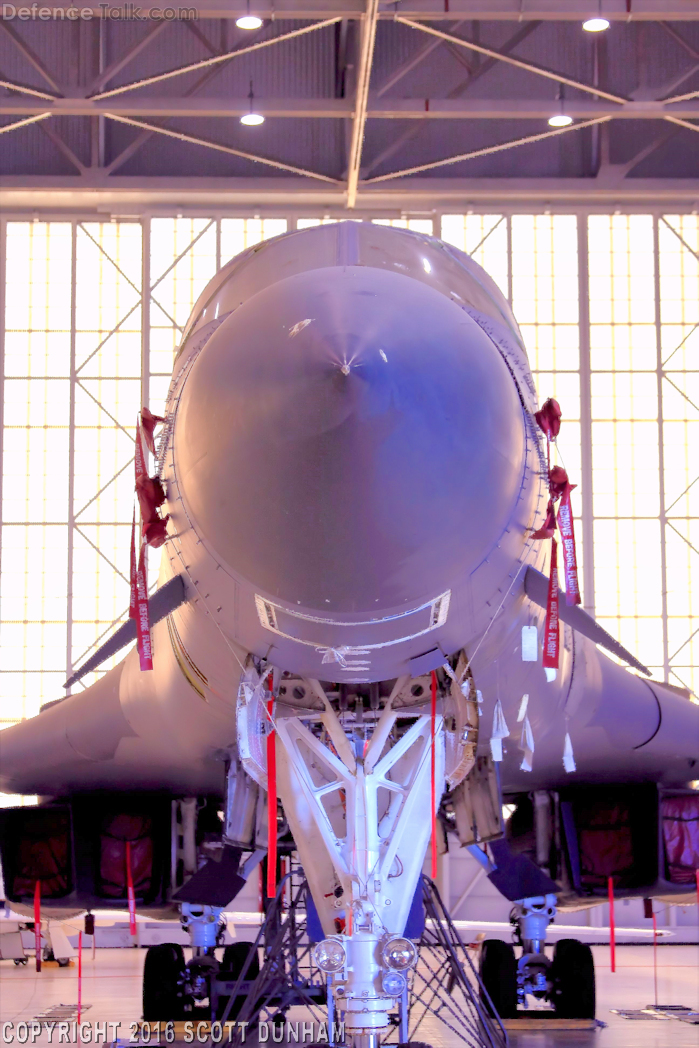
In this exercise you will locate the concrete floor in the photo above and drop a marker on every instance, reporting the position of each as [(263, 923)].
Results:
[(112, 989)]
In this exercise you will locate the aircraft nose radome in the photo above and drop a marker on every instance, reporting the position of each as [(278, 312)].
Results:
[(350, 439)]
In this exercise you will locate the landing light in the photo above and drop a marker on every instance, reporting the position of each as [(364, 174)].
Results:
[(595, 25), (560, 120), (329, 955), (399, 954), (393, 983)]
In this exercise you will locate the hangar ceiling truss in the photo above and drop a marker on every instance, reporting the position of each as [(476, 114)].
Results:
[(364, 101)]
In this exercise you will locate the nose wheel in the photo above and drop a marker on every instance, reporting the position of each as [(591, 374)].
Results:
[(573, 976), (498, 970), (163, 983)]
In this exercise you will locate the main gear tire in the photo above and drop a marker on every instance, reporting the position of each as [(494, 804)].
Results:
[(498, 971), (163, 983), (573, 977)]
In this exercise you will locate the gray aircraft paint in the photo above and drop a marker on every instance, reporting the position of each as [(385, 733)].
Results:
[(353, 474)]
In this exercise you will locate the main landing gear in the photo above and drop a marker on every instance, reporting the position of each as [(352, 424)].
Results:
[(567, 981)]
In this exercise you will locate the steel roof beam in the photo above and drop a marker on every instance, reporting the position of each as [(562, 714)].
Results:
[(23, 123), (210, 74), (411, 133), (23, 89), (219, 147), (64, 148), (99, 193), (622, 11), (622, 170), (485, 151), (342, 108), (433, 10), (682, 123), (103, 79), (366, 58), (411, 63), (205, 63), (528, 67), (31, 57)]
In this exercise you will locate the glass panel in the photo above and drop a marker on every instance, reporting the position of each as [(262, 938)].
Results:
[(239, 233), (34, 582), (678, 244), (625, 433), (484, 238), (306, 223), (545, 303), (418, 225), (183, 259), (107, 399)]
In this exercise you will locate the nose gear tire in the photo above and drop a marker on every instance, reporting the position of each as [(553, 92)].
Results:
[(163, 978), (573, 973), (498, 971)]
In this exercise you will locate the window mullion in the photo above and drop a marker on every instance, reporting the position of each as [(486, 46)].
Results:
[(588, 542)]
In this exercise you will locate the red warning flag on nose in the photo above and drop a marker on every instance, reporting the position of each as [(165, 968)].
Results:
[(133, 585), (549, 421), (155, 531), (552, 630), (140, 459), (150, 494), (145, 647), (570, 559), (547, 529), (549, 418), (148, 424), (138, 602)]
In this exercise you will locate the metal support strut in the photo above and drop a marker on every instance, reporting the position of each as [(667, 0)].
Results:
[(531, 917)]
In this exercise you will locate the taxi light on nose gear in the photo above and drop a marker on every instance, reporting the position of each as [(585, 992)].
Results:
[(330, 956), (393, 983), (399, 954)]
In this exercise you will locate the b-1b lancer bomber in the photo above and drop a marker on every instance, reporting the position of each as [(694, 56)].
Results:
[(358, 646)]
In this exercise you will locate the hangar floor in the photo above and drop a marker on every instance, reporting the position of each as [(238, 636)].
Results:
[(112, 991)]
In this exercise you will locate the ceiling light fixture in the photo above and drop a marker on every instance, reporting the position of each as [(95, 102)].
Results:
[(561, 118), (596, 24), (248, 21), (252, 118)]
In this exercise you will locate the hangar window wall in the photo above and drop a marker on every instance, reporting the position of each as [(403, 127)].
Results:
[(609, 308)]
